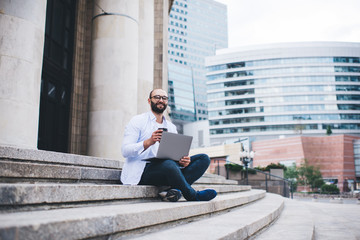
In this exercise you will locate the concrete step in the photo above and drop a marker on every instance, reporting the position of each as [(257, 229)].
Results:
[(21, 165), (27, 165), (214, 180), (55, 195), (237, 224), (223, 188), (11, 171), (118, 220), (294, 223), (210, 175), (40, 156), (25, 172)]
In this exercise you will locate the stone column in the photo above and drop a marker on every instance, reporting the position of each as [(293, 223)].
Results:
[(114, 75), (160, 44), (22, 27), (146, 53)]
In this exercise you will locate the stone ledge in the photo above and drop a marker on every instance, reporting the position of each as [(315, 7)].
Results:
[(223, 188), (24, 171), (89, 222), (237, 224), (216, 181), (12, 195), (13, 153), (24, 194), (33, 171)]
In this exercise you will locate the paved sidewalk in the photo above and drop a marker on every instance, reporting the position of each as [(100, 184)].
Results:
[(335, 220)]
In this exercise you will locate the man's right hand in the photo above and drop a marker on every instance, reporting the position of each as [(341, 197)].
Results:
[(155, 137)]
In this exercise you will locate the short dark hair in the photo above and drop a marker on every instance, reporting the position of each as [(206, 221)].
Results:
[(154, 90), (151, 93)]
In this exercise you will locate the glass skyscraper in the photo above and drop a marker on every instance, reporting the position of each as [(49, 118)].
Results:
[(196, 29), (284, 89)]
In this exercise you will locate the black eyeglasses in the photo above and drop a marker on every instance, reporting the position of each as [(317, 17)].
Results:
[(158, 97)]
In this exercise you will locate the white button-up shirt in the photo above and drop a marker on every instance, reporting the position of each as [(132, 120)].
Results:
[(137, 131)]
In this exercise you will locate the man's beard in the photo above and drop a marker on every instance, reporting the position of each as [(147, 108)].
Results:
[(156, 109)]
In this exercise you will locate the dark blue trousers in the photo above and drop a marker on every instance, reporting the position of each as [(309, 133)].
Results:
[(169, 173)]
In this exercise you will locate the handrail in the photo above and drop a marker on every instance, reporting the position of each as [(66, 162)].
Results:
[(270, 175), (283, 179)]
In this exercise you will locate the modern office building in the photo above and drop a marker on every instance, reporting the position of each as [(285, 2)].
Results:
[(286, 89), (196, 29)]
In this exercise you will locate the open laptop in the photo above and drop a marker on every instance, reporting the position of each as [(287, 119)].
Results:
[(173, 146)]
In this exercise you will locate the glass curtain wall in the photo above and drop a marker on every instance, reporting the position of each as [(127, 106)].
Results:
[(284, 96)]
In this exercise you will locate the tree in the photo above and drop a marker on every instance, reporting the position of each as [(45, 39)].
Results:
[(291, 173), (309, 175), (328, 130)]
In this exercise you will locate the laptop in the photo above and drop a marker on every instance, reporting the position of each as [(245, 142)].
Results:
[(173, 146)]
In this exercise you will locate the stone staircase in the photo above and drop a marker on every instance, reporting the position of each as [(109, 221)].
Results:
[(48, 195)]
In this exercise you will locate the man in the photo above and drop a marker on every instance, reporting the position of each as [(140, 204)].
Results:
[(141, 141)]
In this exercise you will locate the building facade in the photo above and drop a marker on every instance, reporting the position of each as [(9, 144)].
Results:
[(68, 68), (288, 89), (196, 29), (336, 156)]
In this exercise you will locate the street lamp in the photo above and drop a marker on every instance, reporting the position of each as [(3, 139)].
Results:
[(246, 157)]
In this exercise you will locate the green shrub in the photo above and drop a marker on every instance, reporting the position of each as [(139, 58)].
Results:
[(233, 167), (275, 166), (329, 189), (318, 183), (260, 168), (271, 166), (250, 171)]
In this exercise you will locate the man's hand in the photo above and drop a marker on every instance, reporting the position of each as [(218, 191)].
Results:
[(184, 161), (155, 137)]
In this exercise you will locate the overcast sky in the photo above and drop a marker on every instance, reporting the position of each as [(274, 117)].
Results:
[(271, 21)]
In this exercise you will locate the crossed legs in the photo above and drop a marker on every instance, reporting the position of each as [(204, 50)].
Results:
[(169, 173)]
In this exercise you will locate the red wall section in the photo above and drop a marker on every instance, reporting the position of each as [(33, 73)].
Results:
[(333, 154), (277, 150)]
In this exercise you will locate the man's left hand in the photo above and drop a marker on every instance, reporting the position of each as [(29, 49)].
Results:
[(184, 161)]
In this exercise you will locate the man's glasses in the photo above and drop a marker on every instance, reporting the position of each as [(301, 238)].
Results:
[(158, 97)]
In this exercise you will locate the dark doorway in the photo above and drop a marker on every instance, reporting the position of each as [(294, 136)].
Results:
[(56, 78)]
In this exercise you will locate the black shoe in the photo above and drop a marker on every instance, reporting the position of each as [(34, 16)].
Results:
[(173, 195)]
